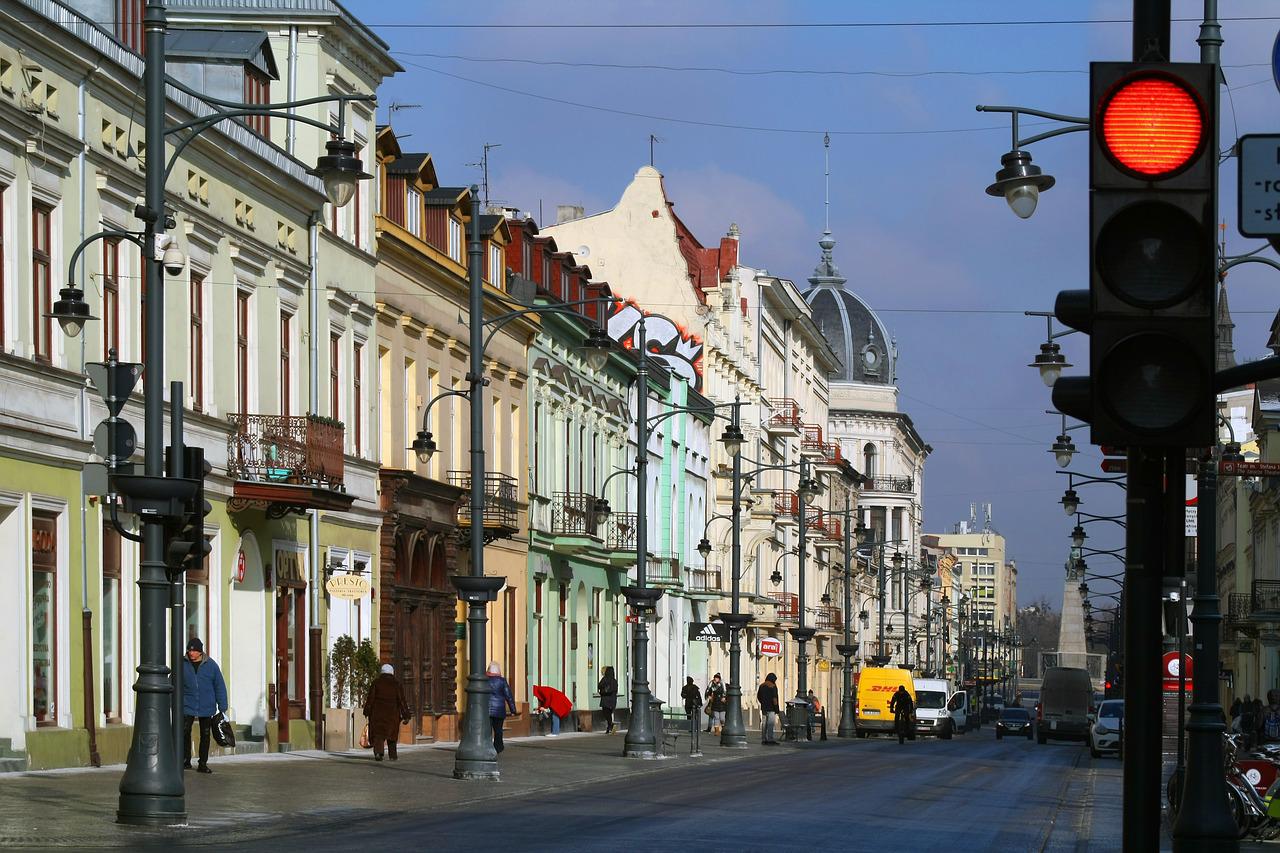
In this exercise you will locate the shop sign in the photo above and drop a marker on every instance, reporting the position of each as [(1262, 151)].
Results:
[(289, 568), (770, 647), (710, 632), (1173, 663), (824, 665), (240, 567), (349, 587)]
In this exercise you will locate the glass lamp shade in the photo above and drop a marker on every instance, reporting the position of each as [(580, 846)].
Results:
[(1078, 536), (595, 350), (1070, 502), (601, 510), (704, 547), (424, 446), (732, 439), (71, 311), (776, 577), (1022, 199), (339, 169)]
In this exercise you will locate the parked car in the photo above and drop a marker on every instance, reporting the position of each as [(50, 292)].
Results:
[(1065, 701), (1105, 733), (1014, 721)]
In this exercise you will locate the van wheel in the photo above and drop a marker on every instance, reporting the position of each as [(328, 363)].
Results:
[(860, 733), (999, 735), (947, 731)]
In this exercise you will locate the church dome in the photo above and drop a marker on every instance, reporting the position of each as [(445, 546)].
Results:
[(858, 337)]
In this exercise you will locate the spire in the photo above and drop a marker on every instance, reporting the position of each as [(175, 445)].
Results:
[(1226, 349), (826, 186), (826, 268)]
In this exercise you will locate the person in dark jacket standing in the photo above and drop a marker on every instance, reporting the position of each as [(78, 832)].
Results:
[(500, 700), (692, 697), (767, 696), (204, 694), (386, 709), (717, 704), (608, 689)]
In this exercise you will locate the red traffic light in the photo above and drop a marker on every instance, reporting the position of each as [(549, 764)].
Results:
[(1153, 124)]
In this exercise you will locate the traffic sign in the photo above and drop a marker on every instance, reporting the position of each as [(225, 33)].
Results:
[(1115, 466), (114, 381), (1229, 468), (1258, 199), (114, 439)]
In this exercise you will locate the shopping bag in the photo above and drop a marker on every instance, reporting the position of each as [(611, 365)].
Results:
[(364, 737)]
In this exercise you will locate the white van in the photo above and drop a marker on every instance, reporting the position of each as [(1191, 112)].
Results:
[(941, 710)]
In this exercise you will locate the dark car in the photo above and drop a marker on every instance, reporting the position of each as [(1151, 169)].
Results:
[(1014, 721)]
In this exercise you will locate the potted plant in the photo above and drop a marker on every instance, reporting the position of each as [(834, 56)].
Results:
[(338, 717)]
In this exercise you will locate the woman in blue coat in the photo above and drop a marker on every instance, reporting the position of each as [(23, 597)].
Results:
[(204, 694)]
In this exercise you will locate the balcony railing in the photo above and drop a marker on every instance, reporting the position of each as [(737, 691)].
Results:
[(573, 514), (1264, 600), (788, 606), (1239, 608), (827, 618), (890, 484), (874, 649), (811, 443), (501, 502), (786, 503), (663, 570), (705, 580), (621, 534), (785, 414), (294, 450)]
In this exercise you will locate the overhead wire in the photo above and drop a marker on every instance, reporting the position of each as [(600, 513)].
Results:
[(792, 25)]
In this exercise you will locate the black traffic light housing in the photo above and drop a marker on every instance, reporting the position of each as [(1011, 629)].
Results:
[(1149, 309), (187, 547)]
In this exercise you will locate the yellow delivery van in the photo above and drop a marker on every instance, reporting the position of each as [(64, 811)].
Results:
[(876, 686)]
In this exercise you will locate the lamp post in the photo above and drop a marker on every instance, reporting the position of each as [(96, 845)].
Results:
[(734, 733), (847, 649), (807, 491), (925, 585), (152, 792)]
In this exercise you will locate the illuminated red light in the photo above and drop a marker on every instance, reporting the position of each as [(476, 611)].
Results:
[(1152, 126)]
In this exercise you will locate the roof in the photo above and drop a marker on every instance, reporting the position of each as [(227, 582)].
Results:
[(407, 164), (858, 337), (444, 196), (281, 8), (251, 46)]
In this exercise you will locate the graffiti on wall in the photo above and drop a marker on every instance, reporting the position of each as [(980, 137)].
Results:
[(665, 341)]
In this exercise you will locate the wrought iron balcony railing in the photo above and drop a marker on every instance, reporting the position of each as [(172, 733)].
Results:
[(622, 531), (286, 449), (501, 501), (788, 606), (827, 618), (663, 570), (705, 580), (573, 514), (785, 414), (890, 484)]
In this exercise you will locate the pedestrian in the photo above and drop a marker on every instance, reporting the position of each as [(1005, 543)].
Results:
[(386, 710), (1234, 725), (608, 689), (717, 704), (903, 710), (500, 700), (819, 715), (554, 704), (1255, 728), (204, 694), (692, 697), (767, 696)]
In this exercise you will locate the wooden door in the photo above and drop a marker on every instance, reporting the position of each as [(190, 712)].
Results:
[(282, 665)]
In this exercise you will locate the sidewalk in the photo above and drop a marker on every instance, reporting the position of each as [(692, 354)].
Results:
[(253, 797)]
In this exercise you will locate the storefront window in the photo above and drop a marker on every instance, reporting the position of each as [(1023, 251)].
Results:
[(112, 676), (44, 628)]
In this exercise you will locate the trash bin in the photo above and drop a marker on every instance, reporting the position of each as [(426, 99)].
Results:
[(655, 714), (796, 726)]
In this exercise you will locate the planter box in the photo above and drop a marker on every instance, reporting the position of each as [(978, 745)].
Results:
[(339, 734)]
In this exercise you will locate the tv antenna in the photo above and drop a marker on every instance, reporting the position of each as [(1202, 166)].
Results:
[(652, 141), (396, 105), (483, 166)]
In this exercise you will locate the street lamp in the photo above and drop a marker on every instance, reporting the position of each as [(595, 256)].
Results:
[(339, 169), (704, 547), (1063, 449), (424, 446), (1050, 362), (1070, 501), (1020, 182), (1078, 536)]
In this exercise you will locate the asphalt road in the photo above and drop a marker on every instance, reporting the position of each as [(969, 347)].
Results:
[(971, 793)]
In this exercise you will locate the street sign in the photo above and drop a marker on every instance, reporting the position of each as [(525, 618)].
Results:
[(770, 647), (1275, 60), (114, 439), (1115, 466), (1191, 523), (1228, 468), (633, 619), (1259, 185), (1170, 666), (114, 382), (709, 632)]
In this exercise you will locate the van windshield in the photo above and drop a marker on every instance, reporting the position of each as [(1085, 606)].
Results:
[(930, 699)]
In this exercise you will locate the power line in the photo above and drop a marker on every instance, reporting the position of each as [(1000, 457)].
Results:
[(798, 25), (761, 72), (716, 124)]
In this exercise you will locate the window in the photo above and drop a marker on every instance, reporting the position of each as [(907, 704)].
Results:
[(242, 351), (112, 656), (356, 369), (455, 239), (41, 281), (869, 460), (495, 266), (257, 90), (357, 204), (286, 340), (537, 448), (129, 24), (110, 297), (197, 342), (197, 603), (44, 622), (335, 343), (413, 211), (526, 258)]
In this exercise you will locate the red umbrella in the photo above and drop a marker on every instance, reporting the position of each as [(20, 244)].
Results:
[(549, 697)]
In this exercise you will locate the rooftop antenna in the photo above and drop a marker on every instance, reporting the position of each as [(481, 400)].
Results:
[(396, 105), (483, 165), (652, 140), (826, 188)]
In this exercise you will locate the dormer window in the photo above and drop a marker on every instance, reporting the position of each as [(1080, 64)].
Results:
[(257, 90), (129, 24)]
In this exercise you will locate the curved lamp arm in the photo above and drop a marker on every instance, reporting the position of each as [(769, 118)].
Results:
[(134, 237), (559, 308)]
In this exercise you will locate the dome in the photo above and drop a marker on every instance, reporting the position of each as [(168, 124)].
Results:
[(862, 343)]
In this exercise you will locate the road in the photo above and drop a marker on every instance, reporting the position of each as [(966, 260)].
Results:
[(972, 793)]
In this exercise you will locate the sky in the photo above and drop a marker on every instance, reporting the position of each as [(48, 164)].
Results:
[(949, 269)]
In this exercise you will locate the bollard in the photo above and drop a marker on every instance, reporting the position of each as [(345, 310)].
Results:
[(695, 733)]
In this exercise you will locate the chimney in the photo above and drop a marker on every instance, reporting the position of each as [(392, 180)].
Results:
[(569, 212)]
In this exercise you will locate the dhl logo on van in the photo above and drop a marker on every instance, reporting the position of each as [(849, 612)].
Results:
[(883, 688)]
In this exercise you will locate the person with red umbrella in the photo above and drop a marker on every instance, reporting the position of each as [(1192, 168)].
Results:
[(553, 703)]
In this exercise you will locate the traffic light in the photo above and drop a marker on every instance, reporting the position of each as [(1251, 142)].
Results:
[(114, 438), (1149, 309), (187, 546)]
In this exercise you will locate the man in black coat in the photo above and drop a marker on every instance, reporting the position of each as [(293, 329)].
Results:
[(903, 714), (767, 696)]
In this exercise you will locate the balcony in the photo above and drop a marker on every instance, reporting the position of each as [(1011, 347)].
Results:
[(284, 464), (827, 618), (811, 444), (784, 418), (832, 459), (706, 582), (663, 570), (786, 506), (501, 509), (1237, 609), (620, 536), (573, 522), (873, 650), (788, 606), (1260, 605), (897, 485)]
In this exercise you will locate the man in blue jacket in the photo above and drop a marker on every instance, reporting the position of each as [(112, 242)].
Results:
[(204, 694)]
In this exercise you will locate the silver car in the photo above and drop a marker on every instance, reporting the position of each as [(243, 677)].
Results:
[(1105, 731)]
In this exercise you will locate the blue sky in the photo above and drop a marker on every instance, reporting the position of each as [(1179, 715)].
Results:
[(949, 269)]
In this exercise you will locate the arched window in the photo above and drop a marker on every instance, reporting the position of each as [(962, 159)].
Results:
[(869, 459)]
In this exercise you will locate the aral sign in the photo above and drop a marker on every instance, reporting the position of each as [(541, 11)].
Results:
[(770, 647)]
